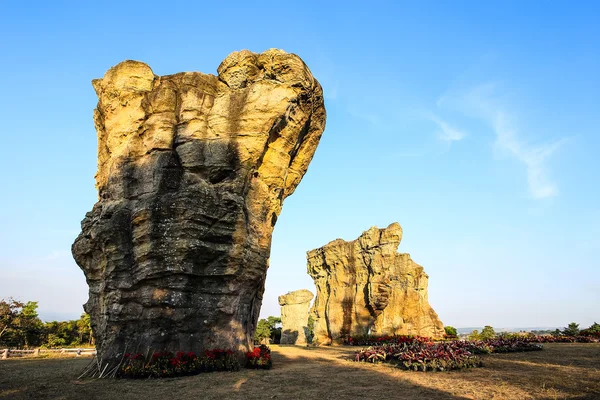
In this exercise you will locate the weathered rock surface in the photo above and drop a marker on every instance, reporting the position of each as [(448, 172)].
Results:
[(366, 287), (192, 173), (294, 316)]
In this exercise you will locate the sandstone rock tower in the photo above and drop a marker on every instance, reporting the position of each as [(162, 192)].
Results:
[(294, 316), (365, 287), (192, 173)]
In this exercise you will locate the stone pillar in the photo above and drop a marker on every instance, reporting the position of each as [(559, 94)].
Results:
[(294, 316), (192, 173), (365, 287)]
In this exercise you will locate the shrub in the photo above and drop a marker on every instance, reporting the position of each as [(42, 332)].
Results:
[(571, 330), (475, 335), (451, 332), (593, 331), (259, 358), (487, 333)]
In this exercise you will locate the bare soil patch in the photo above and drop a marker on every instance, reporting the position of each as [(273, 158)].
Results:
[(561, 371)]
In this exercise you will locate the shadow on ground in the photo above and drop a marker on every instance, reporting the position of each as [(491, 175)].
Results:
[(326, 373)]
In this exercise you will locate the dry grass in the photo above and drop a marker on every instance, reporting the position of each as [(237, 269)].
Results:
[(562, 371)]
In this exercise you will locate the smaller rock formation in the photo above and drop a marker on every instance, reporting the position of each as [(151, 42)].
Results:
[(366, 287), (294, 316)]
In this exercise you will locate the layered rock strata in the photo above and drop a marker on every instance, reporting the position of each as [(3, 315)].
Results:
[(294, 316), (366, 287), (192, 173)]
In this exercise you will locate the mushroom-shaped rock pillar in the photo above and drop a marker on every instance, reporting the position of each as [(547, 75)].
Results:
[(192, 173)]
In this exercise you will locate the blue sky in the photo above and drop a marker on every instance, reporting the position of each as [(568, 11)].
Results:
[(476, 125)]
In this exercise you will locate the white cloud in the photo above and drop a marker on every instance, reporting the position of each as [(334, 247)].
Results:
[(448, 133), (364, 114), (484, 103)]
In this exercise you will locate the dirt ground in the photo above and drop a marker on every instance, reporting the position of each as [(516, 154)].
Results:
[(562, 371)]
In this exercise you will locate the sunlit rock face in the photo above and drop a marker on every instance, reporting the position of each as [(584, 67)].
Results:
[(366, 287), (294, 316), (192, 173)]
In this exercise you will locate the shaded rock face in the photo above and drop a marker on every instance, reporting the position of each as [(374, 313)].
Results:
[(294, 316), (366, 287), (192, 173)]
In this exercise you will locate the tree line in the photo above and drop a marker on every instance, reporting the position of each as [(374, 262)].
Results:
[(21, 328)]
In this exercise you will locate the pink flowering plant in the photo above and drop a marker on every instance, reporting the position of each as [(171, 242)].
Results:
[(418, 354)]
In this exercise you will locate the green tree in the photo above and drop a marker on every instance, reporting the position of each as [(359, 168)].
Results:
[(84, 329), (263, 331), (593, 330), (487, 333), (556, 333), (571, 330), (475, 335), (9, 312), (310, 329), (275, 324), (19, 323), (451, 331)]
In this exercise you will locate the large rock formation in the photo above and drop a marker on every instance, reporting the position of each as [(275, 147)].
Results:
[(192, 173), (366, 287), (294, 316)]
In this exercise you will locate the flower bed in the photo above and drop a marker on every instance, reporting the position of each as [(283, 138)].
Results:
[(259, 358), (166, 364), (500, 345), (369, 340), (584, 337), (421, 355)]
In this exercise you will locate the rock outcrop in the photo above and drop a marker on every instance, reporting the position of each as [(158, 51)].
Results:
[(192, 173), (366, 287), (294, 316)]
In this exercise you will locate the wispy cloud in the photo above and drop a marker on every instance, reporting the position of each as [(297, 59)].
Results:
[(483, 102), (447, 132), (364, 114), (534, 157)]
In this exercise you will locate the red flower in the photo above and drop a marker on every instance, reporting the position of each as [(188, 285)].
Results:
[(210, 354), (191, 354)]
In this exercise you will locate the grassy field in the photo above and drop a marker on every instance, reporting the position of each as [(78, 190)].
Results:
[(562, 371)]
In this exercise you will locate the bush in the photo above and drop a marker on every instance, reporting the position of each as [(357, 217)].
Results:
[(451, 332), (593, 331), (571, 330), (487, 333)]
